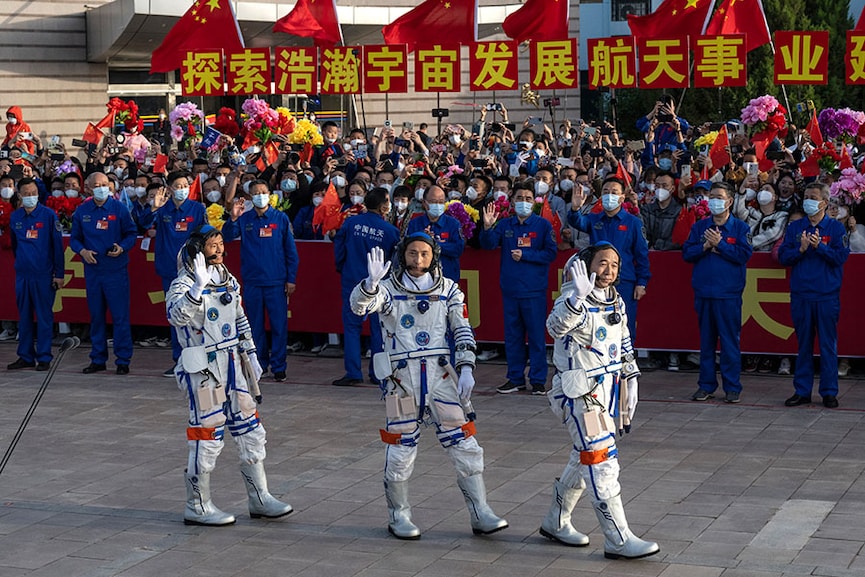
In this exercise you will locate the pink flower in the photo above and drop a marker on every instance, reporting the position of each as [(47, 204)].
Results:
[(176, 133)]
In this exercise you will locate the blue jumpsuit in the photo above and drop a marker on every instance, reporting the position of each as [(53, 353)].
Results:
[(446, 232), (815, 301), (98, 228), (268, 260), (37, 242), (173, 226), (718, 280), (302, 225), (625, 232), (353, 241), (524, 291)]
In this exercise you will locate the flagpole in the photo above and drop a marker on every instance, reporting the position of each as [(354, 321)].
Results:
[(783, 86)]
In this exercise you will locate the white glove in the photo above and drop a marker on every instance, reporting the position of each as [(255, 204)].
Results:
[(633, 396), (466, 382), (583, 283), (376, 268), (255, 365), (202, 276)]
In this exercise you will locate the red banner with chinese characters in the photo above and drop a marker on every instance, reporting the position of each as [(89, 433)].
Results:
[(295, 69), (385, 69), (340, 70), (664, 62), (666, 319), (201, 74), (494, 66), (854, 58), (612, 62), (437, 68), (248, 72), (553, 65), (802, 57), (720, 61)]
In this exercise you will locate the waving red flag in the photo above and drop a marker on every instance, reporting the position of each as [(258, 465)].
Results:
[(677, 17), (207, 25), (741, 17), (814, 130), (328, 215), (435, 21), (539, 20), (720, 151), (314, 19)]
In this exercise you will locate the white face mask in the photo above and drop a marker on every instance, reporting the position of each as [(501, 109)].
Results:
[(418, 193), (356, 142), (221, 179), (214, 196), (12, 120), (455, 139), (71, 193), (541, 188), (356, 199), (56, 193), (662, 193), (338, 181), (330, 140), (386, 186), (750, 194), (101, 193), (472, 193), (181, 194), (316, 200), (526, 143), (140, 191), (401, 205), (566, 184), (500, 194), (245, 187), (764, 197), (6, 192), (842, 213), (118, 172), (454, 195)]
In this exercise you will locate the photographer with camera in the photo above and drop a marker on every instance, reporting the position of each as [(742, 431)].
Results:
[(662, 128)]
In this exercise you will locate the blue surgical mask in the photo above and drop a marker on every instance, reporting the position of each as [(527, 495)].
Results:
[(717, 206), (101, 193), (523, 208), (29, 201), (610, 202), (260, 200), (181, 194), (665, 163), (288, 185), (811, 206), (436, 210)]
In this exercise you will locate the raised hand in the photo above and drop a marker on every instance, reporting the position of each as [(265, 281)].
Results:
[(583, 282), (376, 268)]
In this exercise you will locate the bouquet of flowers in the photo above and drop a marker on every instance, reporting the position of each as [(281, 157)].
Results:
[(68, 167), (701, 209), (186, 121), (707, 139), (849, 188), (262, 121), (306, 132), (125, 112), (281, 205), (503, 208), (840, 124), (64, 208), (463, 214), (766, 117), (215, 215), (286, 123)]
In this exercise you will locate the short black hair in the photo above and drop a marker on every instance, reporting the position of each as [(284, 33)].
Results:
[(328, 124), (375, 198)]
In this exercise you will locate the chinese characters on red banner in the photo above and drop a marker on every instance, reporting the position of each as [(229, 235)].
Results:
[(554, 65), (385, 69), (612, 62), (493, 66), (720, 61), (201, 74), (802, 57), (249, 71), (296, 70), (437, 68), (854, 59), (663, 62)]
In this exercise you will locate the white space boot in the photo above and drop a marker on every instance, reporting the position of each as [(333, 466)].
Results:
[(557, 524), (619, 542), (261, 502), (399, 512), (200, 510), (484, 521)]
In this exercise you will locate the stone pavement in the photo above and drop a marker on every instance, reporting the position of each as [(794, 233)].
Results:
[(95, 487)]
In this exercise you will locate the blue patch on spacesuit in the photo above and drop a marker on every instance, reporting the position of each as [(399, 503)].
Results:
[(614, 351), (212, 314), (422, 339), (226, 330), (406, 321), (601, 334)]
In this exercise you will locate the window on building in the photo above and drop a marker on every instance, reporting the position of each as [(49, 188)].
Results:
[(621, 8)]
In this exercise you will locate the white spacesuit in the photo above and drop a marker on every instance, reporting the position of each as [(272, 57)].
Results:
[(416, 307), (216, 370), (595, 385)]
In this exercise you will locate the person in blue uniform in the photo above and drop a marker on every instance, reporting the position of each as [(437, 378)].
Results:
[(719, 249), (444, 228), (174, 222), (102, 234), (817, 248), (528, 246), (37, 242), (268, 265), (353, 241), (625, 232)]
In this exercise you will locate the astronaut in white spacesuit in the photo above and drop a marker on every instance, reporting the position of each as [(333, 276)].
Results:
[(219, 372), (594, 393), (416, 306)]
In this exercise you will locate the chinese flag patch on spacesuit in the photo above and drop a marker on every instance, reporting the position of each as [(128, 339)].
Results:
[(465, 311)]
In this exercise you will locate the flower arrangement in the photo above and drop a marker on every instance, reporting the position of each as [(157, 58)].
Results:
[(281, 205), (64, 207), (503, 208), (707, 139), (215, 215), (262, 121), (186, 121), (766, 117), (287, 122), (306, 132), (701, 209), (68, 167), (849, 188), (459, 211), (125, 112), (840, 124)]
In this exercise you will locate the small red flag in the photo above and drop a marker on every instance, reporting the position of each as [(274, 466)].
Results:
[(846, 161), (720, 151), (623, 175), (160, 164), (268, 155), (539, 20), (92, 134), (312, 19), (553, 218), (328, 215), (814, 130), (195, 188), (741, 17), (107, 121), (435, 21), (207, 25)]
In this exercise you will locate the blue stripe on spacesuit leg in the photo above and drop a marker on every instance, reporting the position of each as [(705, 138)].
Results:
[(421, 410)]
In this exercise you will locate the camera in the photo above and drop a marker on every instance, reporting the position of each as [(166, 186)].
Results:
[(401, 142), (440, 112), (408, 125), (776, 155), (665, 118), (494, 106), (387, 124), (552, 102)]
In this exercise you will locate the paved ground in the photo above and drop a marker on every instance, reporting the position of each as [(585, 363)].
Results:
[(95, 486)]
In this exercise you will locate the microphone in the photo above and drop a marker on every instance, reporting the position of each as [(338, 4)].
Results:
[(211, 257), (69, 343)]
